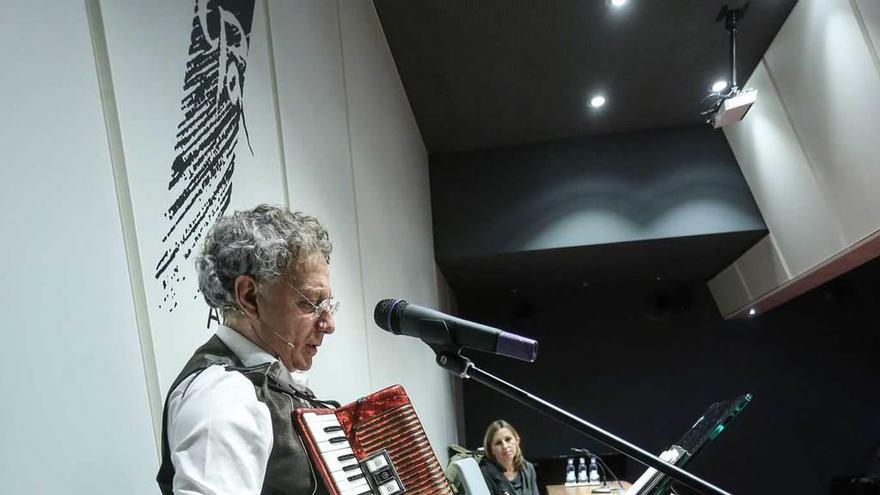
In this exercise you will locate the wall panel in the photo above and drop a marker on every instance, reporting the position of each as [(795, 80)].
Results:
[(829, 83), (394, 213), (729, 290), (311, 98), (589, 190), (869, 10), (808, 148), (762, 268), (782, 180), (76, 417), (197, 141)]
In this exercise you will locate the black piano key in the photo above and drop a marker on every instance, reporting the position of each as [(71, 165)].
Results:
[(330, 429), (351, 467), (356, 477), (338, 440), (345, 457)]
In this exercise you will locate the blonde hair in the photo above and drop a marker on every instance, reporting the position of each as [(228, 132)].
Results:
[(493, 428)]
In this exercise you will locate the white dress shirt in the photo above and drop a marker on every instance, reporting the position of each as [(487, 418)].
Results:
[(219, 434)]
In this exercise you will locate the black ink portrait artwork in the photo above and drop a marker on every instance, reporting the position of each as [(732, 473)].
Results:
[(212, 114)]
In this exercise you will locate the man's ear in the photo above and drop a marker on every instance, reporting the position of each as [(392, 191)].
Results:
[(246, 295)]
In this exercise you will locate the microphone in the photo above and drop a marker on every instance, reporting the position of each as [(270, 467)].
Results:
[(435, 328)]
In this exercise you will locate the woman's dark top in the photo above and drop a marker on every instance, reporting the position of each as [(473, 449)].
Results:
[(525, 482)]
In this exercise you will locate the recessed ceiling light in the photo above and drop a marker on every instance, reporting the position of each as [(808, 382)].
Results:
[(597, 101), (752, 312), (719, 86), (618, 3)]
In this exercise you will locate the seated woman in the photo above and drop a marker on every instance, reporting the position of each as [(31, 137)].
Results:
[(504, 468)]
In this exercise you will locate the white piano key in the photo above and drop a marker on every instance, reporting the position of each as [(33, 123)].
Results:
[(345, 473), (343, 476), (322, 436), (331, 459), (357, 491), (344, 484), (332, 447), (332, 451), (317, 419)]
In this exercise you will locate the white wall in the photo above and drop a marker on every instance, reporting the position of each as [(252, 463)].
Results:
[(89, 142), (869, 19), (394, 216), (75, 413), (355, 158), (810, 154), (830, 86), (314, 122), (147, 80)]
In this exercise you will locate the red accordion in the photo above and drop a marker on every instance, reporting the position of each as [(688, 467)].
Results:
[(375, 445)]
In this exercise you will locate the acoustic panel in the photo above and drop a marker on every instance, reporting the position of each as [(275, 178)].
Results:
[(782, 179), (829, 83)]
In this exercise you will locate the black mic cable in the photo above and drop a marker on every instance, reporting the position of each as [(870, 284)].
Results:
[(602, 462)]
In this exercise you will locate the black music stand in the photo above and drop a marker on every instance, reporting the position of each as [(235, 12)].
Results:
[(448, 358)]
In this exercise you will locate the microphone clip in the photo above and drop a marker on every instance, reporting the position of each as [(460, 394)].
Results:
[(436, 334), (454, 362)]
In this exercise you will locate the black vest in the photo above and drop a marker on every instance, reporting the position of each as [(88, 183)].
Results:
[(288, 470)]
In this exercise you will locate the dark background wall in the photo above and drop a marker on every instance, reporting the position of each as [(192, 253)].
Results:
[(644, 360), (587, 191)]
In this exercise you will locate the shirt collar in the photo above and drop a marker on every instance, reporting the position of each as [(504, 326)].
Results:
[(251, 354)]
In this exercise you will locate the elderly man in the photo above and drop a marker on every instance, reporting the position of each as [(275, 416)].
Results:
[(227, 426)]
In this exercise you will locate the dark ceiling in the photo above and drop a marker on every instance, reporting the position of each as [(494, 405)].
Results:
[(487, 73)]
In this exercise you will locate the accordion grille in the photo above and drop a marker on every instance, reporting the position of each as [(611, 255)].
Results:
[(399, 431)]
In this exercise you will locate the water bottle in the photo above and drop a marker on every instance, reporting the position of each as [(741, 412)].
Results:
[(594, 470), (569, 473), (582, 471)]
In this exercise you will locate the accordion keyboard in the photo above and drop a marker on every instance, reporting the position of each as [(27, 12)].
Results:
[(336, 452)]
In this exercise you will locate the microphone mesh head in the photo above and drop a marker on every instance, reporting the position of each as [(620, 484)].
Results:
[(387, 314)]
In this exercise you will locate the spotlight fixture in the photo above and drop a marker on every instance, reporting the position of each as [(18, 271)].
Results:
[(617, 3), (597, 101), (719, 86), (728, 104), (752, 312)]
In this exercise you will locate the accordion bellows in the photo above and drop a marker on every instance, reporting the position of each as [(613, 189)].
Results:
[(382, 420)]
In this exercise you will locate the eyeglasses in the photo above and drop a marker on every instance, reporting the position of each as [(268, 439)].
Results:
[(329, 305)]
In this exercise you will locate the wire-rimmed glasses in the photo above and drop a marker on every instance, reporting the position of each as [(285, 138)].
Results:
[(329, 305)]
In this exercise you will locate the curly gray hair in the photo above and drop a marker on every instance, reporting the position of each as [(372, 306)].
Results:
[(262, 243)]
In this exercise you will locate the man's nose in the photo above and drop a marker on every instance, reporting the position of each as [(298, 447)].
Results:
[(327, 324)]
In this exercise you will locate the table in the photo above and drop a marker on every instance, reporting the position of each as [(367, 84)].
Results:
[(582, 490)]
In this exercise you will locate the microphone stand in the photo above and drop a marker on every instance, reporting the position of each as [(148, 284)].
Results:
[(449, 359)]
